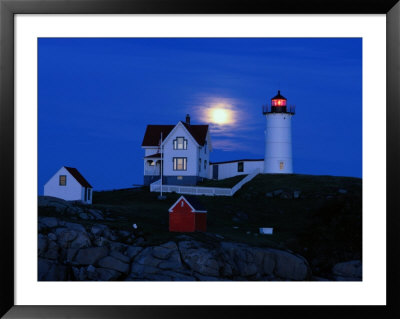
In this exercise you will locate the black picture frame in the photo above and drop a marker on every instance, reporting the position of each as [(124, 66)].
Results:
[(8, 9)]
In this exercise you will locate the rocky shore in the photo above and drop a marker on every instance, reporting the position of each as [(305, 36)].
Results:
[(78, 251)]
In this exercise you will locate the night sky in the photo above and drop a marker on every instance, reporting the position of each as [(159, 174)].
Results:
[(96, 97)]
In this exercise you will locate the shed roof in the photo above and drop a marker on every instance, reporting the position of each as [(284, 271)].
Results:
[(192, 201), (156, 155), (240, 160), (78, 176)]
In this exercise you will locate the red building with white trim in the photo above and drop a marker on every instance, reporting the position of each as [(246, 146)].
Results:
[(187, 215)]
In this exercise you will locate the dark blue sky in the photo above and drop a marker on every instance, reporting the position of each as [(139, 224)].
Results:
[(96, 97)]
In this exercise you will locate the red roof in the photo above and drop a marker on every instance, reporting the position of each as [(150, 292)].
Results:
[(199, 132), (153, 133), (75, 173)]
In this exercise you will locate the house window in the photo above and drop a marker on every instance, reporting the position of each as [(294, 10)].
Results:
[(180, 163), (240, 166), (63, 180), (205, 164), (180, 143), (281, 165)]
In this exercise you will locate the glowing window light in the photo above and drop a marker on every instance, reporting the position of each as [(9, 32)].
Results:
[(278, 102)]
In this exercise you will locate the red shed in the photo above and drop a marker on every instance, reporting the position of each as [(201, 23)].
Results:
[(187, 215)]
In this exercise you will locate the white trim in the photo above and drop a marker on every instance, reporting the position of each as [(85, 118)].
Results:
[(187, 202), (175, 128)]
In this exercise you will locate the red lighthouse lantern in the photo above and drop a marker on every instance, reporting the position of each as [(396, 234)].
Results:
[(278, 103)]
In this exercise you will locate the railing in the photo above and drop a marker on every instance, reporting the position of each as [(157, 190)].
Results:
[(244, 181), (291, 109), (152, 171), (197, 190)]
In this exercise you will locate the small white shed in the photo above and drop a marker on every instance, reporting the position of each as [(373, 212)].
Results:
[(69, 184)]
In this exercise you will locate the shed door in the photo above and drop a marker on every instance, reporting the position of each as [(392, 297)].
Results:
[(215, 171)]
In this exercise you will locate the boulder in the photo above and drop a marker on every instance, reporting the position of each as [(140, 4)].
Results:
[(120, 256), (81, 241), (296, 194), (286, 195), (74, 226), (97, 214), (133, 251), (89, 256), (198, 258), (52, 236), (277, 192), (48, 271), (124, 233), (49, 222), (114, 264), (162, 252), (71, 253), (105, 274), (84, 216), (65, 236), (44, 266), (349, 269), (80, 274), (52, 250), (99, 229), (290, 266), (42, 244)]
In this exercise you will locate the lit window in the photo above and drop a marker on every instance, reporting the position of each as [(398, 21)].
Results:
[(179, 178), (240, 167), (180, 143), (152, 163), (281, 165), (63, 180), (179, 163)]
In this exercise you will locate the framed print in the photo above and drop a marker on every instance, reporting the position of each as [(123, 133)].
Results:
[(173, 159)]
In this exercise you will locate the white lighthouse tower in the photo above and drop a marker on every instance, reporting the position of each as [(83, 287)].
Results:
[(278, 136)]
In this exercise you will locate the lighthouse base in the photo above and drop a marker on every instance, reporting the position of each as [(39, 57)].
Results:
[(278, 166)]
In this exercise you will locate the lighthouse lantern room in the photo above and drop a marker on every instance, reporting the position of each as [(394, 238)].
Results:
[(278, 136)]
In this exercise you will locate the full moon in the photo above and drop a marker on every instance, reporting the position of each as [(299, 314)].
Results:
[(220, 116)]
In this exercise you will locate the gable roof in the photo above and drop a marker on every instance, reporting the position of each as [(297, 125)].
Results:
[(193, 202), (78, 176), (199, 132), (153, 133)]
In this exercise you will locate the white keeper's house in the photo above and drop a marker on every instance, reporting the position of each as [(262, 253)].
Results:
[(185, 150), (185, 153), (69, 184)]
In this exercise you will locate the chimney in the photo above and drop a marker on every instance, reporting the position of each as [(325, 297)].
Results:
[(187, 119)]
